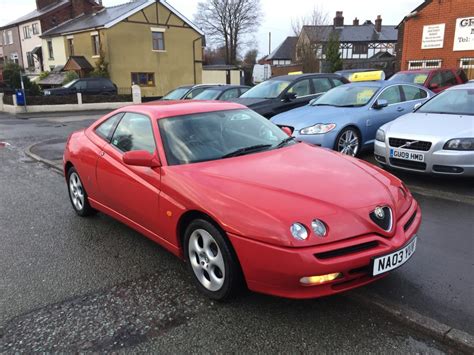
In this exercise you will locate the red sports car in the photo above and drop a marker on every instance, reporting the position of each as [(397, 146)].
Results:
[(242, 202)]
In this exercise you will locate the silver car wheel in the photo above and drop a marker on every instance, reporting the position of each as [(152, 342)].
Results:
[(76, 191), (206, 259), (348, 143)]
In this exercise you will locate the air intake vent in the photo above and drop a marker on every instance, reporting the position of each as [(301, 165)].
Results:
[(382, 216)]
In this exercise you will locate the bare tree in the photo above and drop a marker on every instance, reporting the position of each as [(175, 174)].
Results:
[(227, 22), (310, 33)]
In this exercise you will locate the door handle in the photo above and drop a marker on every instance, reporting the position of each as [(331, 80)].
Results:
[(102, 153), (400, 109)]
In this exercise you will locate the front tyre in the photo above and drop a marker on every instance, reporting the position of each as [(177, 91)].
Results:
[(78, 195), (348, 142), (211, 261)]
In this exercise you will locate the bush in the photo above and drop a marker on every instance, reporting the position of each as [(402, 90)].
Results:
[(43, 75), (70, 76), (12, 74), (101, 69)]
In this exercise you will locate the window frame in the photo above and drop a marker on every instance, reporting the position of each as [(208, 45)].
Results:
[(138, 83), (362, 48), (30, 60), (95, 38), (124, 113), (49, 44), (26, 32), (158, 41)]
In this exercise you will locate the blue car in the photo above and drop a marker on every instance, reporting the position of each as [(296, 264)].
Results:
[(347, 117)]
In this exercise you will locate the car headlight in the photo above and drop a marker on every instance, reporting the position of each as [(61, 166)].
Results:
[(319, 228), (380, 135), (460, 144), (299, 231), (319, 128)]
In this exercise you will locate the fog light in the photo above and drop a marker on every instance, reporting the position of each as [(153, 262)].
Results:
[(318, 280)]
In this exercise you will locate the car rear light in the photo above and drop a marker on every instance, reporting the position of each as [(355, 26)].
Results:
[(320, 279)]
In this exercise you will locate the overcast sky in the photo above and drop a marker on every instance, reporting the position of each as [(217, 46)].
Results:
[(278, 13)]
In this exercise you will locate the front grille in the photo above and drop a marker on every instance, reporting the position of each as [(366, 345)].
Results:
[(416, 145), (385, 222), (409, 222), (347, 250), (416, 165)]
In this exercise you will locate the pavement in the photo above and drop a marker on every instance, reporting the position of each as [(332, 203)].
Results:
[(73, 284)]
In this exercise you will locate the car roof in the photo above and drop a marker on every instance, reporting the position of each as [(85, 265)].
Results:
[(164, 109), (468, 85), (298, 76), (226, 87), (383, 83)]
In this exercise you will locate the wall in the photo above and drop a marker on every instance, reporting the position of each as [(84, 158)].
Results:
[(9, 49), (28, 44), (59, 51), (129, 49), (219, 77), (437, 12)]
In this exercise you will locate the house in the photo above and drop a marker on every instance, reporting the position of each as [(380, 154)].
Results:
[(145, 42), (222, 74), (21, 40), (284, 54), (438, 34), (358, 42)]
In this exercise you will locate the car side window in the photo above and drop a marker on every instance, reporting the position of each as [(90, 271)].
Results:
[(106, 128), (321, 85), (134, 132), (391, 94), (301, 88), (437, 79), (81, 85), (337, 82), (242, 90), (230, 94), (194, 92), (413, 93), (449, 78)]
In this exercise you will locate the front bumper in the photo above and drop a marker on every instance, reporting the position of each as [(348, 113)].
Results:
[(437, 160), (277, 270)]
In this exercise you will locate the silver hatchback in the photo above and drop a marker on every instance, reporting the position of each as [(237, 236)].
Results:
[(437, 138)]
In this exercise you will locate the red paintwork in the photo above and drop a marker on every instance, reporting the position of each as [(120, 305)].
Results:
[(431, 73), (254, 198)]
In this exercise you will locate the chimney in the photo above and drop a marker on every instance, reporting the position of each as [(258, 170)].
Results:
[(43, 3), (339, 19), (378, 24), (356, 22)]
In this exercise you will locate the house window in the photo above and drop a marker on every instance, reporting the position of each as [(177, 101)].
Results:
[(14, 58), (70, 46), (4, 34), (158, 41), (424, 64), (50, 49), (143, 79), (30, 60), (95, 45), (35, 29), (360, 48), (9, 37), (26, 32)]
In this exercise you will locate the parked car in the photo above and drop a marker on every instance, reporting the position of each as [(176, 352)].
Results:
[(86, 86), (436, 80), (187, 92), (437, 138), (283, 93), (222, 92), (241, 202), (346, 118)]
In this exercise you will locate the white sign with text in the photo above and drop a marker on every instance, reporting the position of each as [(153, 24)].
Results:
[(433, 36), (464, 34)]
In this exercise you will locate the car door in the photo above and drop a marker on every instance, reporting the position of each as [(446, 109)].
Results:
[(412, 95), (81, 86), (379, 116), (131, 191), (303, 92)]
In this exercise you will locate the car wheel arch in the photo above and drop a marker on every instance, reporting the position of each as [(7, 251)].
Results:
[(67, 167)]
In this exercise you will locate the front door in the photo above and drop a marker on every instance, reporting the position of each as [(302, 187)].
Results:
[(131, 191)]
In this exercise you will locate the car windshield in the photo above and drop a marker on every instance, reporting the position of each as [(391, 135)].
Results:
[(218, 135), (71, 83), (209, 94), (176, 94), (413, 78), (269, 89), (455, 102), (347, 96)]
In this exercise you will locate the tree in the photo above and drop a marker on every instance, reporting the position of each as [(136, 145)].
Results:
[(250, 57), (12, 74), (227, 22), (333, 56), (308, 45)]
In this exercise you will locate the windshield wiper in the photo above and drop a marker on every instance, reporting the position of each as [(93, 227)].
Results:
[(316, 104), (285, 142), (246, 150), (352, 105)]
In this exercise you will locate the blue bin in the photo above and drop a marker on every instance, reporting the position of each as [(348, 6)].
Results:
[(20, 97)]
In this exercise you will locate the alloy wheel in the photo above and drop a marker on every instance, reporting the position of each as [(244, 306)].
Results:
[(348, 143), (76, 191)]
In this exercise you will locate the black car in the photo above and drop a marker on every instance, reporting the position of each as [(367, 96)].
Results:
[(86, 86), (222, 92), (286, 92), (187, 92)]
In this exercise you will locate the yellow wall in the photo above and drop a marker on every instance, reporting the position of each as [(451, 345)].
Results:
[(58, 51), (219, 77)]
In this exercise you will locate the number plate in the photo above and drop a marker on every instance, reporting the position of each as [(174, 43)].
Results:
[(406, 155), (393, 260)]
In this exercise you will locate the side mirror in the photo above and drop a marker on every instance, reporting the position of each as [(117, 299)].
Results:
[(380, 103), (289, 96), (141, 158), (287, 130), (417, 106)]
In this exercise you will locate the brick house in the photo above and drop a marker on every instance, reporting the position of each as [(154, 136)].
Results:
[(20, 39), (438, 34)]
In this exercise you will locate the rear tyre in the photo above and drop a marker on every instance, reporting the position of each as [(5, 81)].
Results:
[(348, 142), (78, 195), (211, 261)]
